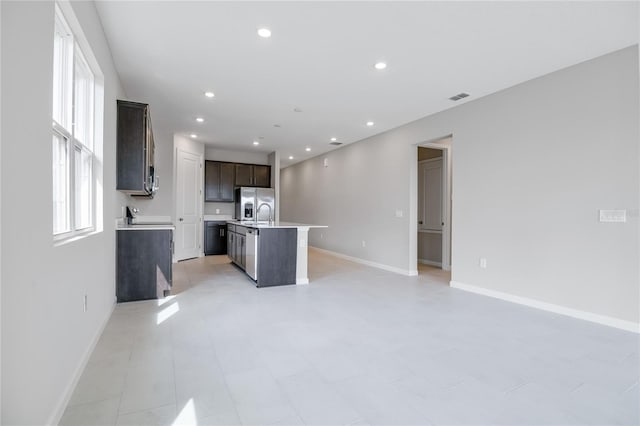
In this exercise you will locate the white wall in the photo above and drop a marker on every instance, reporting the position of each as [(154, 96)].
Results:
[(215, 154), (531, 167), (45, 334)]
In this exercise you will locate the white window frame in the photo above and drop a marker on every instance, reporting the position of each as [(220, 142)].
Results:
[(65, 127)]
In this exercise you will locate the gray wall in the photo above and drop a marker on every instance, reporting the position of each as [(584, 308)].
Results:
[(45, 333), (531, 167)]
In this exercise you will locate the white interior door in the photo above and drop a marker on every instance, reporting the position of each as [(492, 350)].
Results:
[(188, 205)]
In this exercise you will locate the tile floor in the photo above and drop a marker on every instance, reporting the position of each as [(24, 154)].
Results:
[(357, 346)]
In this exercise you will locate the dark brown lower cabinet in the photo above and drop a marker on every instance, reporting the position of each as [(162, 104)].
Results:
[(143, 265), (215, 238)]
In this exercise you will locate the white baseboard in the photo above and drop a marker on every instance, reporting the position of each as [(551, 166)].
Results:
[(562, 310), (302, 281), (57, 414), (430, 263), (367, 262)]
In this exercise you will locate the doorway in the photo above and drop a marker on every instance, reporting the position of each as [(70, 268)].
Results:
[(434, 206)]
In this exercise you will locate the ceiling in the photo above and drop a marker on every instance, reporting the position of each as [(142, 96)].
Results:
[(320, 60)]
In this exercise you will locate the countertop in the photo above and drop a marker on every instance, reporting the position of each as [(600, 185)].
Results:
[(146, 227), (277, 224)]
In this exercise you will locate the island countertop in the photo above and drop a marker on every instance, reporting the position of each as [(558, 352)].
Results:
[(275, 224)]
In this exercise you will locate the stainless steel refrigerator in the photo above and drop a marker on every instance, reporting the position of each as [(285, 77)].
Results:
[(255, 204)]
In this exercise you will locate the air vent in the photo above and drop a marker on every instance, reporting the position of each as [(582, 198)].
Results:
[(459, 96), (335, 143)]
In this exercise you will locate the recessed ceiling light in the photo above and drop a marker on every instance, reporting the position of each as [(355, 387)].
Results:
[(291, 157), (193, 135), (264, 32), (256, 143), (370, 123), (209, 94), (200, 119), (380, 65), (333, 139), (307, 149)]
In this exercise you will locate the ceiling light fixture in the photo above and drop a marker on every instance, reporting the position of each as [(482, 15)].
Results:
[(193, 135), (200, 120), (307, 149), (264, 32), (209, 94), (370, 123), (380, 65), (291, 157), (256, 143), (333, 139)]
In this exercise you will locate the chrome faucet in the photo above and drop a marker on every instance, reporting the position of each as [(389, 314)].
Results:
[(270, 212)]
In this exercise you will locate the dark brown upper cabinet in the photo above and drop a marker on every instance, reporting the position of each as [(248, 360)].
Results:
[(136, 174), (253, 175), (218, 181), (244, 175), (262, 176)]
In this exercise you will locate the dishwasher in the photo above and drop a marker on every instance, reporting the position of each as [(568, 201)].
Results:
[(251, 266)]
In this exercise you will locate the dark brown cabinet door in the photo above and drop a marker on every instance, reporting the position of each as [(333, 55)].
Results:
[(134, 148), (211, 180), (215, 238), (218, 181), (143, 268), (227, 180), (244, 175), (262, 176)]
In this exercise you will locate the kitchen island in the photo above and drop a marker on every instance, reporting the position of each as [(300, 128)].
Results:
[(271, 253)]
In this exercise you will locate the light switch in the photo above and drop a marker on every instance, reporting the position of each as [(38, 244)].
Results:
[(613, 215), (399, 213), (303, 243)]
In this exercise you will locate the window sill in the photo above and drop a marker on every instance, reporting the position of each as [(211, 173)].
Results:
[(76, 236)]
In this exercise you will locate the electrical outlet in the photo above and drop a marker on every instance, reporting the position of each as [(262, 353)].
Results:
[(84, 303), (483, 262), (217, 211), (613, 215), (399, 213), (364, 243)]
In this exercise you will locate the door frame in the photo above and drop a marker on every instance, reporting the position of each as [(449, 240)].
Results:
[(199, 195), (447, 198)]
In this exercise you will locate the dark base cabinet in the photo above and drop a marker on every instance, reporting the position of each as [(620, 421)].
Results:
[(215, 238), (144, 269), (277, 256)]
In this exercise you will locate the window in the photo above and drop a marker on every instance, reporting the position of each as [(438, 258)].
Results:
[(73, 135)]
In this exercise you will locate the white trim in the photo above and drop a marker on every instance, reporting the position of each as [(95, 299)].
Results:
[(302, 281), (447, 166), (562, 310), (68, 391), (367, 262), (430, 263)]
